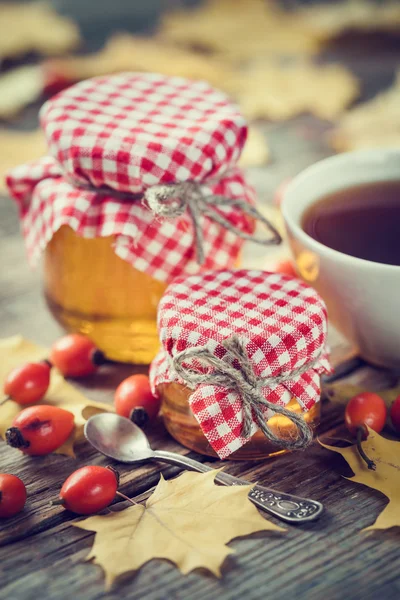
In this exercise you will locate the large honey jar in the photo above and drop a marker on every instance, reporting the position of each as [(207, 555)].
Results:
[(140, 186), (240, 365), (117, 310)]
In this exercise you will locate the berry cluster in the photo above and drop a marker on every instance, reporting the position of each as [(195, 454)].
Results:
[(40, 429)]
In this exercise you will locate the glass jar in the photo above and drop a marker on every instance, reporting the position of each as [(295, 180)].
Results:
[(90, 289), (140, 166), (183, 426)]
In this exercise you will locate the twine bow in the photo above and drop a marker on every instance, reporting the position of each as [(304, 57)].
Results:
[(171, 201), (247, 385)]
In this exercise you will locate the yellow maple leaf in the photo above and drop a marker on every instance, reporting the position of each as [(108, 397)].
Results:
[(35, 26), (14, 351), (328, 20), (255, 152), (372, 124), (386, 479), (17, 147), (239, 30), (188, 521), (124, 52), (268, 90)]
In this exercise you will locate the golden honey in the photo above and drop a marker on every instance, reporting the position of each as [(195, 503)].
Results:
[(183, 426), (91, 290)]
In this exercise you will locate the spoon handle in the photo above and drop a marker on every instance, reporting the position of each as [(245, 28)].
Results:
[(286, 507)]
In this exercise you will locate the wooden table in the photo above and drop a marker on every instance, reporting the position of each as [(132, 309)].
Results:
[(42, 556)]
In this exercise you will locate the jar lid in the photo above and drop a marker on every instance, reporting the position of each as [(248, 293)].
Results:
[(246, 342), (149, 159), (135, 130)]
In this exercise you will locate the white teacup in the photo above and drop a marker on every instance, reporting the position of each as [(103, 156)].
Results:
[(363, 297)]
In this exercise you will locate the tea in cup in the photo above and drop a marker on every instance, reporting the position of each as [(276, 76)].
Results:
[(342, 217)]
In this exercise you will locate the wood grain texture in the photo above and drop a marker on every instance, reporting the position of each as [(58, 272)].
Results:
[(41, 556)]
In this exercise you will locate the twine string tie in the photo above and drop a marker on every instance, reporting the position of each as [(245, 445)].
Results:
[(247, 385)]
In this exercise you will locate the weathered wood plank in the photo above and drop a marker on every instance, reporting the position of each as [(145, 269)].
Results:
[(280, 565)]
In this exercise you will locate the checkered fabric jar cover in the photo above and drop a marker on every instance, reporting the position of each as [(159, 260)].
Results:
[(282, 323), (124, 134)]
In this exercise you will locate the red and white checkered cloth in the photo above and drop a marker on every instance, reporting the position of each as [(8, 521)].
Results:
[(282, 321), (129, 132)]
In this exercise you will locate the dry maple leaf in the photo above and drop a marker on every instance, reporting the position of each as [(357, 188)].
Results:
[(239, 29), (35, 26), (124, 52), (340, 393), (329, 20), (372, 124), (17, 147), (188, 521), (280, 92), (386, 479), (15, 351), (18, 88), (255, 152)]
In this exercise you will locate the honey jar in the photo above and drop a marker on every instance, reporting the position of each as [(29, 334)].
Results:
[(240, 365), (140, 186), (118, 311)]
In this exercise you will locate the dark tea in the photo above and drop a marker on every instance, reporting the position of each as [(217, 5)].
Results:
[(362, 221)]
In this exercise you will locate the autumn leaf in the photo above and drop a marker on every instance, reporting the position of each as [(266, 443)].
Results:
[(123, 52), (268, 90), (372, 124), (239, 30), (386, 479), (188, 520), (255, 152), (18, 88), (34, 26), (328, 20), (15, 351), (340, 393), (17, 147)]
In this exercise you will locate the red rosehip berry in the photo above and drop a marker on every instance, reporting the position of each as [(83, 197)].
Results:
[(134, 399), (12, 495), (27, 383), (40, 429), (75, 355), (89, 490), (365, 409)]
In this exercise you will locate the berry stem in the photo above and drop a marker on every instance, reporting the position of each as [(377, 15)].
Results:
[(116, 473), (15, 439), (121, 495), (370, 463), (5, 399), (58, 502), (98, 358), (139, 416)]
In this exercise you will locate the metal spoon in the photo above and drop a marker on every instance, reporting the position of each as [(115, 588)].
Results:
[(120, 439)]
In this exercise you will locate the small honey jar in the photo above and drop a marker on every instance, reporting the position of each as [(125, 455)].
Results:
[(141, 185), (241, 360)]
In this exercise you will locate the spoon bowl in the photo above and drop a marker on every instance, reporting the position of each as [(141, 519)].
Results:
[(117, 438)]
